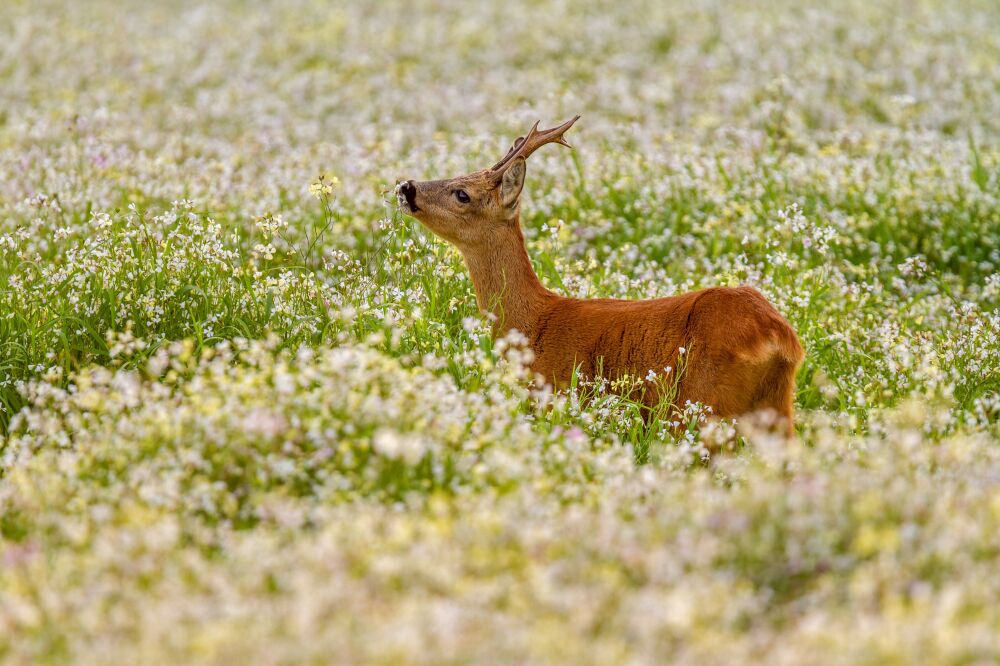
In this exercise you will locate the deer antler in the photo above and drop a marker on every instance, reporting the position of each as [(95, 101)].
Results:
[(532, 141)]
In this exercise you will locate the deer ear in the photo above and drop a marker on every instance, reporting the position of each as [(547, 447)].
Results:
[(513, 181)]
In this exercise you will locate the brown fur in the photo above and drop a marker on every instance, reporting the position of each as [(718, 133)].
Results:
[(742, 356)]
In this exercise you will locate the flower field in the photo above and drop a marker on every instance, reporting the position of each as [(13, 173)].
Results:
[(250, 413)]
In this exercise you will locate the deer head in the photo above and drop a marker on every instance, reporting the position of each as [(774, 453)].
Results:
[(477, 209)]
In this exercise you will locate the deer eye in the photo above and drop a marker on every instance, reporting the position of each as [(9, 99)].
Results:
[(462, 196)]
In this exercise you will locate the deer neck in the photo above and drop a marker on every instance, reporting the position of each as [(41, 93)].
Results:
[(505, 282)]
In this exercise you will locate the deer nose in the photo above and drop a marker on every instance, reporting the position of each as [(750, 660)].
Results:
[(408, 192)]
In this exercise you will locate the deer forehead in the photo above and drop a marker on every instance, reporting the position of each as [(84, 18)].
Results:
[(478, 182)]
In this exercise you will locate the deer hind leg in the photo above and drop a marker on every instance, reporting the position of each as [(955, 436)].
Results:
[(758, 387), (719, 381), (776, 395)]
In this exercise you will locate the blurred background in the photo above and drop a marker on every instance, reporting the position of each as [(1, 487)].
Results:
[(224, 91)]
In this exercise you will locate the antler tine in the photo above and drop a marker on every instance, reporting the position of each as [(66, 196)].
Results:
[(534, 140), (555, 134)]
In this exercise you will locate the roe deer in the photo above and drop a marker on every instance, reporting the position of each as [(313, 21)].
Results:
[(742, 355)]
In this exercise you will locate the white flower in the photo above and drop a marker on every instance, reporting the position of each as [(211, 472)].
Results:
[(470, 324), (396, 445)]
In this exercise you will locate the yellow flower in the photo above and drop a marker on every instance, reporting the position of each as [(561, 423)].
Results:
[(323, 185)]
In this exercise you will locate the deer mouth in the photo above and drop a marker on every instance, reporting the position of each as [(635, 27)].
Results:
[(406, 196)]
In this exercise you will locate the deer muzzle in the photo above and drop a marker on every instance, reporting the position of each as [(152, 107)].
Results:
[(406, 196)]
